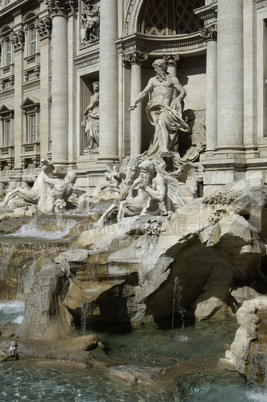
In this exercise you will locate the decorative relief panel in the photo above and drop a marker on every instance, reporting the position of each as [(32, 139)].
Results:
[(89, 22)]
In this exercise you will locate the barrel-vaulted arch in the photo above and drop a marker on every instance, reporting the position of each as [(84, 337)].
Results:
[(163, 17), (169, 17)]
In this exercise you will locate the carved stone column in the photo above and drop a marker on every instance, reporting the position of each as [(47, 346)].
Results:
[(59, 10), (230, 75), (44, 27), (210, 34), (17, 39), (108, 82), (134, 59)]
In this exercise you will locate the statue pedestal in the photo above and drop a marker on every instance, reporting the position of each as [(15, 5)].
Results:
[(225, 166)]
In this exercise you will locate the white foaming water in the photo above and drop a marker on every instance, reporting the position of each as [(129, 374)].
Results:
[(30, 230), (12, 311), (19, 319), (257, 396), (183, 338)]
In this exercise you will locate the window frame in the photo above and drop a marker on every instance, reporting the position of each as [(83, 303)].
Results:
[(31, 130), (32, 41), (6, 115), (8, 52), (31, 108), (7, 138)]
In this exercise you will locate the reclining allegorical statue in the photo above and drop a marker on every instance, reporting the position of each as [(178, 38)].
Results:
[(48, 194)]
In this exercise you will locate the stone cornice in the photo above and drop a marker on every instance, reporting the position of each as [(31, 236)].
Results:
[(156, 44), (208, 14), (10, 8), (261, 3), (87, 59)]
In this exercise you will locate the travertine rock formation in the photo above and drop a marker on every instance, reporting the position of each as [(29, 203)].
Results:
[(247, 353), (124, 273)]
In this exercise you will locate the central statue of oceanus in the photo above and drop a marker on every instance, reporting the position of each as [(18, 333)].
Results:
[(164, 111)]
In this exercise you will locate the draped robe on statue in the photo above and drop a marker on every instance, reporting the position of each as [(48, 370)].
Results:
[(173, 122)]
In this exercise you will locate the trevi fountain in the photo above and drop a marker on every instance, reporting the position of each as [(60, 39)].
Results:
[(150, 291)]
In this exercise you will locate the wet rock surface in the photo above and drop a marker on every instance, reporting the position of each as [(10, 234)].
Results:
[(133, 374)]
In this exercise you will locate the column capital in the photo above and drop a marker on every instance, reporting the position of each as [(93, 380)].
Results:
[(135, 57), (60, 7), (18, 38), (44, 27), (209, 33), (172, 60)]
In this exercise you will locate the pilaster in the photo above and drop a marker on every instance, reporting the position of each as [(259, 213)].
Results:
[(134, 60), (210, 34), (17, 39), (44, 28), (250, 92), (230, 76), (108, 82), (59, 10)]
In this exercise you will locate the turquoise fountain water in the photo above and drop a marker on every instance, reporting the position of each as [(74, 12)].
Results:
[(193, 355), (192, 358)]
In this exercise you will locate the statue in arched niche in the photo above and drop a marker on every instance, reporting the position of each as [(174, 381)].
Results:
[(91, 120), (164, 111)]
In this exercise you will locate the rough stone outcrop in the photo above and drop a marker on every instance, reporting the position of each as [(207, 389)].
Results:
[(247, 353), (46, 349), (133, 374), (82, 343), (7, 328), (125, 273), (242, 294), (209, 244), (45, 316)]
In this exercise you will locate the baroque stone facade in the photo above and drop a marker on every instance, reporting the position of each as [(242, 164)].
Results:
[(53, 51)]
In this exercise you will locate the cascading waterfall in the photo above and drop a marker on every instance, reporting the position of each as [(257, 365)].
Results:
[(17, 258), (85, 314), (176, 303), (45, 228)]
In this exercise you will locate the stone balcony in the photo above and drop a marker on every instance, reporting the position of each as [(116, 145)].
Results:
[(30, 154), (6, 157), (7, 76)]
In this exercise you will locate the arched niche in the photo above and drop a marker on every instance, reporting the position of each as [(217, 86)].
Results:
[(162, 17), (168, 28), (171, 17)]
